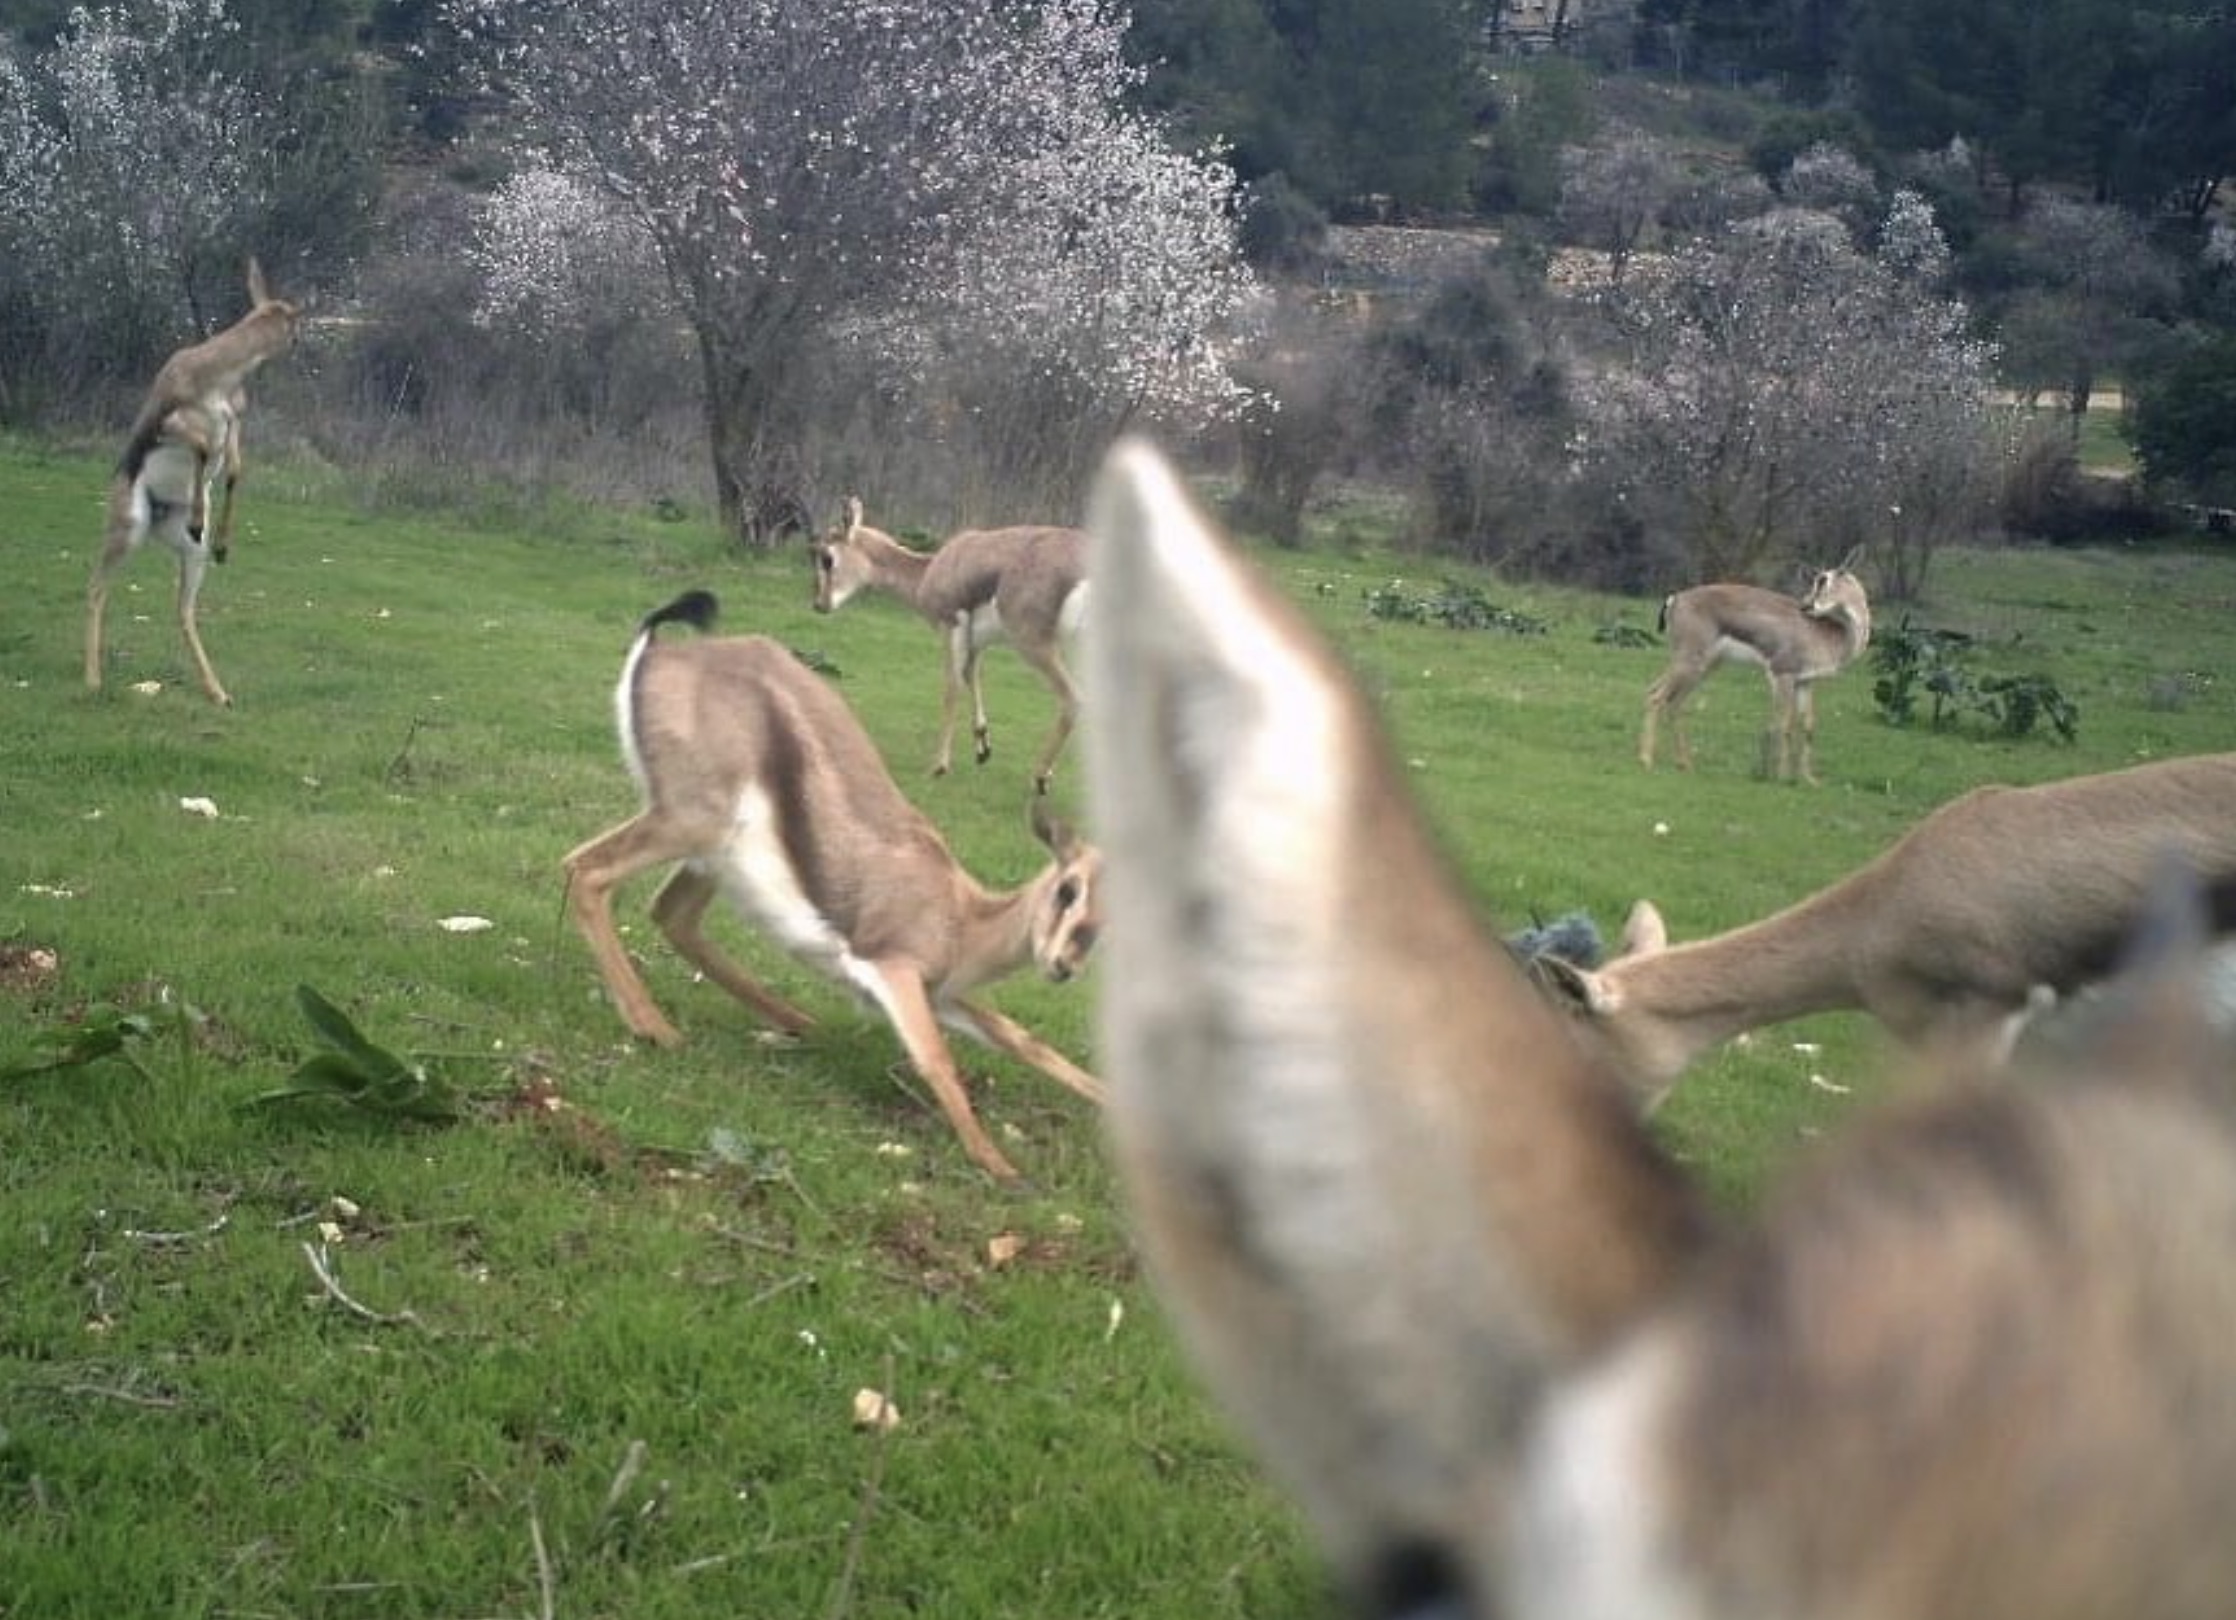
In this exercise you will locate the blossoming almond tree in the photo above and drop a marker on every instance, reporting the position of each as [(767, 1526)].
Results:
[(1786, 390), (913, 174)]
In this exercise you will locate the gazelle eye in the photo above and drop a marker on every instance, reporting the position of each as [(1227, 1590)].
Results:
[(1067, 894), (824, 561)]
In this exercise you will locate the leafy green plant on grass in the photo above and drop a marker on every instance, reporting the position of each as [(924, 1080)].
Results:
[(1924, 667), (1454, 605), (351, 1069), (131, 1038), (1620, 633)]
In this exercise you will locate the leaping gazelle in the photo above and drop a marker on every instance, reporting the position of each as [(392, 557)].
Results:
[(1794, 643), (1976, 1360), (759, 782), (183, 452), (1024, 585)]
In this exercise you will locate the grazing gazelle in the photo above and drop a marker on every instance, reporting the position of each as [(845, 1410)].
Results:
[(759, 782), (1025, 586), (184, 443), (1975, 1361), (1946, 938), (1794, 643)]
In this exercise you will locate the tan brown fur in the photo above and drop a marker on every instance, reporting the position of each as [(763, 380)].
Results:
[(758, 778), (1973, 1362), (981, 586), (185, 445), (1794, 643), (1944, 938)]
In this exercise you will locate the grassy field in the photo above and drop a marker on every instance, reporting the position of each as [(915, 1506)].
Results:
[(600, 1358)]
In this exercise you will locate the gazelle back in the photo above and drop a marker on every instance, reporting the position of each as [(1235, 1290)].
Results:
[(1976, 1358)]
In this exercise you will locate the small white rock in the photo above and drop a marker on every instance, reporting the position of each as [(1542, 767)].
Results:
[(872, 1410)]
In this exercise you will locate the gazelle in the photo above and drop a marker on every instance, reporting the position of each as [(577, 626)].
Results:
[(1025, 586), (1795, 644), (184, 445), (1975, 1361), (1946, 938), (759, 781)]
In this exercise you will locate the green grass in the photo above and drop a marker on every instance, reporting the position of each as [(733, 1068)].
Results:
[(709, 1251)]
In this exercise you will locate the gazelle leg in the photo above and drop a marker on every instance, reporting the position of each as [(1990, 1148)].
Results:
[(1656, 696), (1805, 722), (1050, 664), (1772, 763), (127, 528), (958, 652), (679, 909), (1668, 699), (221, 544), (194, 562), (900, 992), (974, 675), (1007, 1035), (594, 870)]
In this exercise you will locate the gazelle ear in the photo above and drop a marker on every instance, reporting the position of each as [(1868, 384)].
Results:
[(1323, 1074), (259, 293), (1578, 987), (1644, 931), (853, 513)]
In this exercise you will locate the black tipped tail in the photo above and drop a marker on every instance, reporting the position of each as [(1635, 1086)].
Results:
[(694, 608)]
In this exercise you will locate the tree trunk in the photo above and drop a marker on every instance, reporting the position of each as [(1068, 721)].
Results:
[(757, 445)]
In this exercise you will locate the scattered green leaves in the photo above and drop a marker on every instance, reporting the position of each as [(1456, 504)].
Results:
[(1923, 667), (1621, 633), (82, 1045), (89, 1039), (1454, 605)]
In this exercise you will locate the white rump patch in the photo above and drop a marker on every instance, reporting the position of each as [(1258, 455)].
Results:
[(754, 870), (984, 626), (1731, 650)]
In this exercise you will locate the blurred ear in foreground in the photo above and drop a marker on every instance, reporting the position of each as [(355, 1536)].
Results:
[(1978, 1359)]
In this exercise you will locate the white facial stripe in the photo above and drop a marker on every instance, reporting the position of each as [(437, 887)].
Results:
[(1589, 1535)]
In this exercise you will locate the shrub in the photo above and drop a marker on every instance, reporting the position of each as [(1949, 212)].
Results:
[(1918, 664), (1451, 604)]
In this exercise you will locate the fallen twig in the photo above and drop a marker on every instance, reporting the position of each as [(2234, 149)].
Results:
[(632, 1464), (842, 1594), (129, 1397), (799, 1279), (322, 1267), (163, 1239), (545, 1585)]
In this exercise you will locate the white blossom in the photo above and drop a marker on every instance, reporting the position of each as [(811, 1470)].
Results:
[(920, 177)]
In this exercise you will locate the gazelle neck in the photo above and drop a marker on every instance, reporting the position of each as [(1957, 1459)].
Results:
[(1682, 1001), (1844, 633), (995, 930), (893, 566)]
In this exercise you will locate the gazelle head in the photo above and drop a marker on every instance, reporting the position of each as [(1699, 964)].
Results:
[(842, 567), (1067, 910), (1647, 1052), (1836, 593)]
